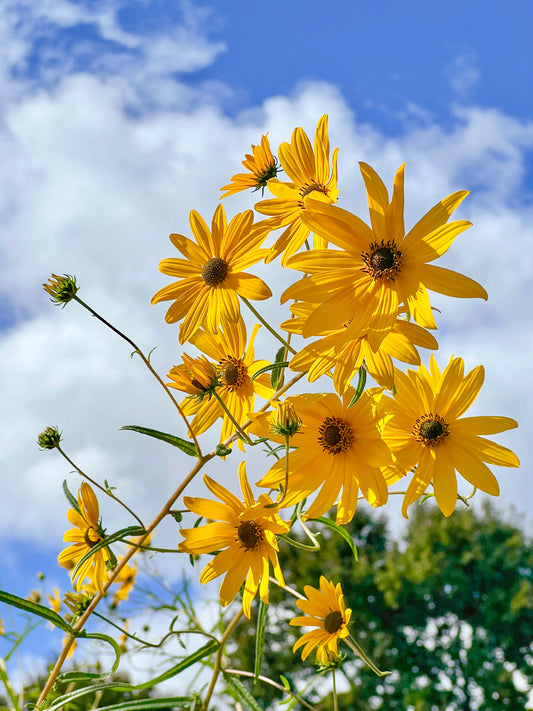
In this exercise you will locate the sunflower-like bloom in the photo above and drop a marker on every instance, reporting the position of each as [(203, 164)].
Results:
[(261, 166), (325, 610), (338, 447), (345, 354), (425, 428), (54, 600), (312, 182), (87, 533), (235, 366), (379, 268), (245, 534), (211, 275)]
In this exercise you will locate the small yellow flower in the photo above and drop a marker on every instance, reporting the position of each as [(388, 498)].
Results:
[(212, 275), (244, 533), (195, 376), (424, 428), (2, 628), (328, 613), (261, 166), (87, 533), (307, 167), (126, 579), (54, 600)]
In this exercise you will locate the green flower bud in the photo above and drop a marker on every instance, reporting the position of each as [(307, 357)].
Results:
[(49, 438), (62, 289)]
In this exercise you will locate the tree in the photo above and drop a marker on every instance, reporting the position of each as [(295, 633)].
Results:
[(449, 610)]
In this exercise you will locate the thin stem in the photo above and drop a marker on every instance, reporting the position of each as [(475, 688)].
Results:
[(288, 589), (266, 680), (231, 418), (356, 647), (8, 686), (147, 363), (218, 658), (268, 326), (99, 486), (335, 700), (124, 560)]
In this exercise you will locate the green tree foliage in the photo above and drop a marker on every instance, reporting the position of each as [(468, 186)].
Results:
[(449, 610)]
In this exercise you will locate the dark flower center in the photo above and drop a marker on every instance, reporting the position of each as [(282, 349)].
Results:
[(383, 262), (430, 430), (250, 535), (335, 435), (310, 188), (333, 622), (232, 373), (91, 537), (214, 271)]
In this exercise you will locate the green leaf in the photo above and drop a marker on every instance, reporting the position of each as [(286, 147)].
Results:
[(109, 640), (360, 386), (260, 638), (70, 498), (35, 609), (341, 531), (104, 543), (204, 651), (277, 366), (242, 692), (276, 379), (183, 444), (62, 701), (169, 702)]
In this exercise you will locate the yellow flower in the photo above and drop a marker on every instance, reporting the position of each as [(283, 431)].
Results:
[(425, 428), (236, 365), (377, 269), (328, 613), (337, 448), (2, 628), (211, 275), (245, 534), (195, 376), (261, 166), (340, 351), (126, 579), (54, 600), (87, 533), (312, 182)]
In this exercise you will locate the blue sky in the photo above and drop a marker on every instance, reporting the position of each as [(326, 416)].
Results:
[(117, 118)]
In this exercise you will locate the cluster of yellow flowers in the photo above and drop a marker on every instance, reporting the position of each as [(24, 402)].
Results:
[(361, 303)]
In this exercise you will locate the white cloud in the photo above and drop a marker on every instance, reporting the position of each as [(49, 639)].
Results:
[(463, 73)]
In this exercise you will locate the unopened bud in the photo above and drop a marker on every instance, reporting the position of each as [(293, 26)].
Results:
[(287, 422), (62, 289), (49, 438)]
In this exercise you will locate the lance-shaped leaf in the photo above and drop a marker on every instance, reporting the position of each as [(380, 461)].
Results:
[(36, 609), (361, 382), (107, 541), (340, 531), (183, 444)]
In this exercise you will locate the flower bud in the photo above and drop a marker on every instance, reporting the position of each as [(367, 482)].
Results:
[(49, 438), (62, 289), (287, 423)]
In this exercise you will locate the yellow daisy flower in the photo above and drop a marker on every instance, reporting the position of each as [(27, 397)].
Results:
[(87, 532), (312, 182), (54, 600), (245, 534), (211, 275), (195, 376), (340, 351), (325, 610), (126, 580), (337, 448), (235, 366), (261, 166), (425, 428), (378, 268)]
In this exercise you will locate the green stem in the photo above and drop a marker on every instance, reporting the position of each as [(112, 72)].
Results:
[(8, 686), (232, 419), (147, 363), (218, 659), (335, 700), (268, 326), (99, 486), (356, 647)]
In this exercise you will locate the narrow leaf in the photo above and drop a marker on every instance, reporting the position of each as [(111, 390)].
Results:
[(242, 693), (360, 386), (276, 379), (170, 702), (36, 609), (341, 531), (183, 444), (107, 541), (272, 366), (260, 638), (204, 651), (70, 497), (109, 640)]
